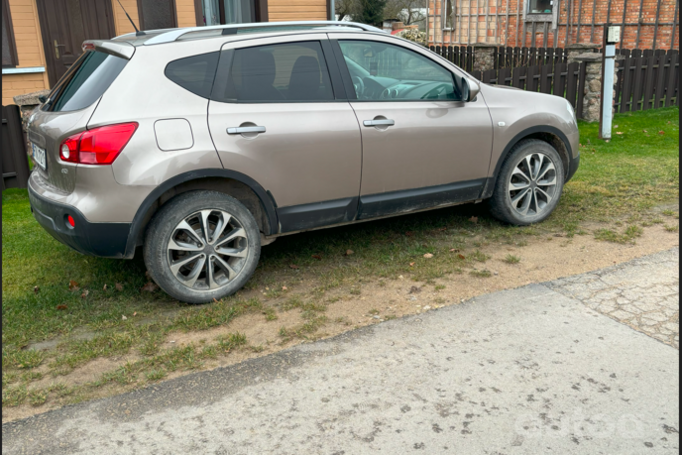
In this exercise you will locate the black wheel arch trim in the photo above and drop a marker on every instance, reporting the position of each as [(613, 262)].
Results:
[(266, 199), (490, 185)]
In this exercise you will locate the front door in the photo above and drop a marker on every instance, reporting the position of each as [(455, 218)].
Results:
[(65, 24), (422, 145), (275, 117)]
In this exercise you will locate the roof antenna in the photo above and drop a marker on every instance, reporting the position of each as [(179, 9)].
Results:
[(137, 32)]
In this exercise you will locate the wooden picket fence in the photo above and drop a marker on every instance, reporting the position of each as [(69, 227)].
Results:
[(647, 81), (560, 79), (14, 162), (511, 57), (504, 57), (462, 56)]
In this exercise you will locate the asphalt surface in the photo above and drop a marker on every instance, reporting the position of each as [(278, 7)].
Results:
[(533, 370)]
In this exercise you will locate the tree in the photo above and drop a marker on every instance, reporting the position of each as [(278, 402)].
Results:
[(371, 12), (408, 11), (346, 8)]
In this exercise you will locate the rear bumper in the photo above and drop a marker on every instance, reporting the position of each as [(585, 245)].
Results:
[(94, 239)]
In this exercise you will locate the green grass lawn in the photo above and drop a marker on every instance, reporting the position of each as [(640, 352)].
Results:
[(617, 185)]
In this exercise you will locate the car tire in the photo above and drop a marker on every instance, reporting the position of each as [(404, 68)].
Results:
[(529, 184), (195, 264)]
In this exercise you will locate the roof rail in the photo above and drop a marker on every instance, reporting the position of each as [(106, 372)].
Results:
[(174, 34)]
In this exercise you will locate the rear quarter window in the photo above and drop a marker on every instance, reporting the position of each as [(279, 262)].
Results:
[(194, 73), (87, 79)]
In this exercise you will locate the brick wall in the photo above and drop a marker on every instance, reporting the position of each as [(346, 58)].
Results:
[(511, 31)]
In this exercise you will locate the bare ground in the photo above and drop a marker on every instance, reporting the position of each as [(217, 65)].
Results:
[(542, 259)]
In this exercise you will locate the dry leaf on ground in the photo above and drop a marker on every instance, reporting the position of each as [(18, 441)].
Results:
[(150, 287), (119, 287), (428, 255), (293, 266), (73, 286), (61, 307)]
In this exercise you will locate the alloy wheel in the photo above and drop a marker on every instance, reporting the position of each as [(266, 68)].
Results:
[(207, 250), (532, 185)]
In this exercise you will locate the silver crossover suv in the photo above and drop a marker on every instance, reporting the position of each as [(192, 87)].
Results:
[(202, 144)]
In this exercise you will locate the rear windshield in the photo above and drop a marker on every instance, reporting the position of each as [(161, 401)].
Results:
[(87, 79)]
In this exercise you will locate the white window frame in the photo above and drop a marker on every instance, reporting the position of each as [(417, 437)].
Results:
[(444, 27)]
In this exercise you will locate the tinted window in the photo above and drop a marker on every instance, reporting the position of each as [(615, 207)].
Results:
[(87, 79), (196, 73), (292, 72), (384, 72)]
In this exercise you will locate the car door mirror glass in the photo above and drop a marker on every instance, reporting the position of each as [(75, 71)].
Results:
[(464, 83)]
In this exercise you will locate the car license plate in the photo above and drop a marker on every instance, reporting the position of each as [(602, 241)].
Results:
[(39, 156)]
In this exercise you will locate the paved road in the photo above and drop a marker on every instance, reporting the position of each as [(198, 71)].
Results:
[(529, 371)]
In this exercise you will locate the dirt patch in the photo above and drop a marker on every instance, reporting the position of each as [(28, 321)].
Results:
[(544, 258)]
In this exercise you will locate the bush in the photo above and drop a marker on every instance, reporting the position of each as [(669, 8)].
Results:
[(413, 34)]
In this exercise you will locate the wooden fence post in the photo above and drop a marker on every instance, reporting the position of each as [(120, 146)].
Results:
[(15, 169)]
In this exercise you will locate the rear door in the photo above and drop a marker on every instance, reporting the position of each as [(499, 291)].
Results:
[(422, 145), (276, 117)]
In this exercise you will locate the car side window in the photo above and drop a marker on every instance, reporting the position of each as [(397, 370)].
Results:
[(194, 73), (386, 72), (279, 73)]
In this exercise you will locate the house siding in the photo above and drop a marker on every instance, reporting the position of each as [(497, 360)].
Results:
[(186, 16), (29, 51), (29, 41), (297, 10)]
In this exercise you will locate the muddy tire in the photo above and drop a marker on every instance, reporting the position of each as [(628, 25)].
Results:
[(202, 245)]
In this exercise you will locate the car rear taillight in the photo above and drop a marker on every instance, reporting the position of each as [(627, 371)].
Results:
[(97, 146)]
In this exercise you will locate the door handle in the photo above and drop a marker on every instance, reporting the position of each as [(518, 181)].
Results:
[(246, 129), (56, 49), (384, 122)]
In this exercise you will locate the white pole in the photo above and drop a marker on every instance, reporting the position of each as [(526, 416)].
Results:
[(607, 90)]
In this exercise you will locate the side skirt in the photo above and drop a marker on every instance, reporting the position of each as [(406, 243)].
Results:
[(340, 212), (318, 214), (397, 202)]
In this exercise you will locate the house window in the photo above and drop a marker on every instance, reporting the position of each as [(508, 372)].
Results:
[(539, 6), (156, 14), (217, 12), (448, 12), (9, 48)]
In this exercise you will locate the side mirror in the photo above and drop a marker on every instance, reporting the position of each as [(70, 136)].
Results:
[(470, 89), (42, 98)]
